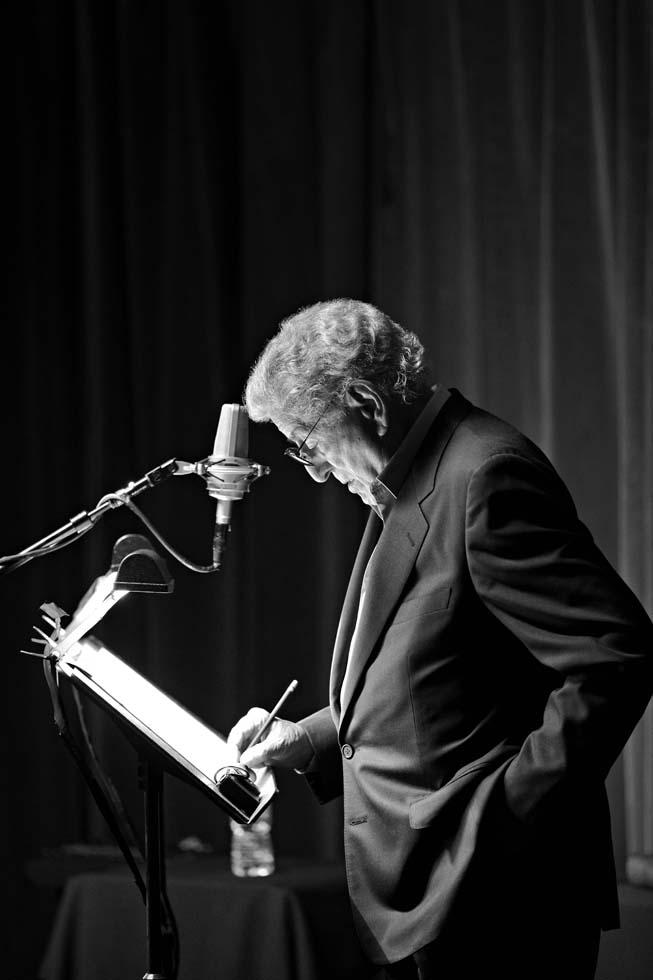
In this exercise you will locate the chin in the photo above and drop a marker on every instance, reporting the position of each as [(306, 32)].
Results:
[(361, 492)]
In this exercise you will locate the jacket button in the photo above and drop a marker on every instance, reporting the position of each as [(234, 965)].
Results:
[(347, 750)]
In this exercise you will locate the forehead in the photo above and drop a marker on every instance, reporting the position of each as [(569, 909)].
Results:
[(288, 430)]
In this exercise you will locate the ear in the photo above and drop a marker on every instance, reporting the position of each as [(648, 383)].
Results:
[(363, 396)]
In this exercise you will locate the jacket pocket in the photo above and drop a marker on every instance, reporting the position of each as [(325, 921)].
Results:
[(422, 605), (457, 791)]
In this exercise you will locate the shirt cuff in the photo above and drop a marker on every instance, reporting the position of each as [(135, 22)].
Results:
[(312, 764)]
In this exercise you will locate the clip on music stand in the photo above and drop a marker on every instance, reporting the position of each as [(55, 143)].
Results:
[(166, 735)]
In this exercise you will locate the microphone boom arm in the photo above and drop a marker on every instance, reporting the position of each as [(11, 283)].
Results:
[(85, 520)]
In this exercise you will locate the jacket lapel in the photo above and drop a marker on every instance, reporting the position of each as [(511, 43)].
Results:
[(349, 611), (388, 571), (391, 564)]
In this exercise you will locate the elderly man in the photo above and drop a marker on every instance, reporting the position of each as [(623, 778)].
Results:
[(488, 667)]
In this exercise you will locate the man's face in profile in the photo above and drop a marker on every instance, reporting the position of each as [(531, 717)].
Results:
[(346, 447)]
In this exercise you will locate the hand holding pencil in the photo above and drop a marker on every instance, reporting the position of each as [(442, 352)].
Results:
[(263, 739)]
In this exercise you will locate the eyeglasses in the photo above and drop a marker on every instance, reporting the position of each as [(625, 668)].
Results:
[(296, 453)]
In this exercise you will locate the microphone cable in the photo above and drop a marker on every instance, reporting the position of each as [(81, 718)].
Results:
[(125, 502)]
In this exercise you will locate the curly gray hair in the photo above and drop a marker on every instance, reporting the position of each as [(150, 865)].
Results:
[(321, 350)]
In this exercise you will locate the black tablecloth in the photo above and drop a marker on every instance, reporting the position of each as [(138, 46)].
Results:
[(293, 925)]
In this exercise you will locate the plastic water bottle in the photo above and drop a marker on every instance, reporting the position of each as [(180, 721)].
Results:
[(252, 853)]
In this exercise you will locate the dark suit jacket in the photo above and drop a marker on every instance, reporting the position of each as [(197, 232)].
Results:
[(497, 671)]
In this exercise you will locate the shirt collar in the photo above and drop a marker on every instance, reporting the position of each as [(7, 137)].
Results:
[(385, 489)]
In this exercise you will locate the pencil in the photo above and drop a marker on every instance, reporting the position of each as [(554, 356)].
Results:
[(273, 714)]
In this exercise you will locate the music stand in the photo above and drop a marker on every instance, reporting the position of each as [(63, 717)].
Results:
[(166, 736)]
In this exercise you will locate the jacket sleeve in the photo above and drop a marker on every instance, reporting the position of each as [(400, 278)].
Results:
[(324, 773), (537, 569)]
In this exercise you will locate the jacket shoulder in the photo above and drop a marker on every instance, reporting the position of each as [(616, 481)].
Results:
[(475, 437), (462, 440), (481, 436)]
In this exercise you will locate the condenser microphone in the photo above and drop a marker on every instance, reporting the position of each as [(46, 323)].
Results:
[(229, 471), (229, 464)]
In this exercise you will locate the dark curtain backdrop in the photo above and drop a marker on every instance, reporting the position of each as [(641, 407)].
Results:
[(187, 173)]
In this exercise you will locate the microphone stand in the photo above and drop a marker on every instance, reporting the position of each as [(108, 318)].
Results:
[(85, 520)]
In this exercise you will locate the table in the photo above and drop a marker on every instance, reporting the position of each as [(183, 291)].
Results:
[(293, 925)]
